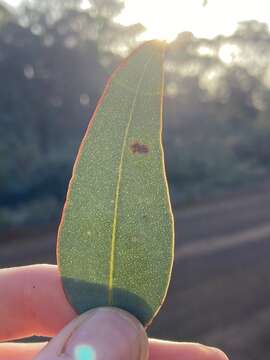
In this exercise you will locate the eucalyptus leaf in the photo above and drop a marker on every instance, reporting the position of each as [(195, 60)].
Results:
[(115, 240)]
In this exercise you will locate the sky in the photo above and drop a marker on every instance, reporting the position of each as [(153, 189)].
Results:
[(164, 19)]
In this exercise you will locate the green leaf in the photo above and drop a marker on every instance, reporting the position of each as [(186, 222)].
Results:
[(115, 240)]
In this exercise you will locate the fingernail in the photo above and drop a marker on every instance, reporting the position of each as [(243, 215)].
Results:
[(217, 353), (108, 333)]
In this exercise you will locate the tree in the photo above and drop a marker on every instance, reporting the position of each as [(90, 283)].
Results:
[(5, 14), (74, 24), (52, 57)]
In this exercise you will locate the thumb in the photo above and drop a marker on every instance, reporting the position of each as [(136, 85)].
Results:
[(106, 333)]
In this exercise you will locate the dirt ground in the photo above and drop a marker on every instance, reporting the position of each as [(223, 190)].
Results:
[(220, 289)]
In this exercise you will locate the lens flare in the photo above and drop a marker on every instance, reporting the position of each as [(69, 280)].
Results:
[(84, 352)]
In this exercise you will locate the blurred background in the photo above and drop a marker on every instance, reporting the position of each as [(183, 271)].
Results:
[(55, 58)]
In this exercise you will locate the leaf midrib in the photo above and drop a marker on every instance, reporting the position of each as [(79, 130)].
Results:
[(117, 191)]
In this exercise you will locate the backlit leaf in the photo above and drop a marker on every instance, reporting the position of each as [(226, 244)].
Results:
[(115, 240)]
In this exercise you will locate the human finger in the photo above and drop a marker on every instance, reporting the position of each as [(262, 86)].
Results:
[(32, 302), (168, 350), (101, 333), (20, 351)]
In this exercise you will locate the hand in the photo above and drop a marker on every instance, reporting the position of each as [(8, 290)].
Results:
[(32, 302)]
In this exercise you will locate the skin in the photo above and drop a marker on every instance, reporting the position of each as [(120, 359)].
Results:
[(32, 302)]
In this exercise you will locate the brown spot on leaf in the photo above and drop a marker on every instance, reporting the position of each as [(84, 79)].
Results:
[(138, 148)]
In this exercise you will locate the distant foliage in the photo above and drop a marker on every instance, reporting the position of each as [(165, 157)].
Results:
[(53, 66), (4, 15), (217, 111)]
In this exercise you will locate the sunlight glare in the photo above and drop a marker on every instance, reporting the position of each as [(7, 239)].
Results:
[(13, 2), (162, 19), (85, 4), (206, 51), (228, 53), (165, 19)]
